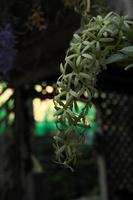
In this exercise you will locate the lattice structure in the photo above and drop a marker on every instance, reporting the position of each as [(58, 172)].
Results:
[(115, 111), (117, 148), (116, 128)]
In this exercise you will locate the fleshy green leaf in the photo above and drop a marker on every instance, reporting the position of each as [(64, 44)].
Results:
[(127, 50), (116, 58)]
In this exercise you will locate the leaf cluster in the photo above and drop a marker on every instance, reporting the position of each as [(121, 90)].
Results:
[(86, 57)]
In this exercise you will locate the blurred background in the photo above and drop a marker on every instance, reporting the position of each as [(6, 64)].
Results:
[(36, 35)]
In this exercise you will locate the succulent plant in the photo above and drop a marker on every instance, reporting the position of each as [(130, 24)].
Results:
[(87, 56)]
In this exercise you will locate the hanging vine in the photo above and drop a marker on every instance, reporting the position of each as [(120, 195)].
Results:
[(86, 57)]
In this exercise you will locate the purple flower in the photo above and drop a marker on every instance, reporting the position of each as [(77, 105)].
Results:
[(7, 50)]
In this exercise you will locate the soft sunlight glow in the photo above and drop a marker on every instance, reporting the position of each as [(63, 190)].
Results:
[(38, 88), (49, 89), (6, 95), (11, 116), (41, 108)]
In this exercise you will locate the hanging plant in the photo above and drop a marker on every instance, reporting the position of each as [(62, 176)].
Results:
[(88, 55)]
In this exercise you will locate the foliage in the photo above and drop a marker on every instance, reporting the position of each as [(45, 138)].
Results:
[(86, 57), (123, 55)]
